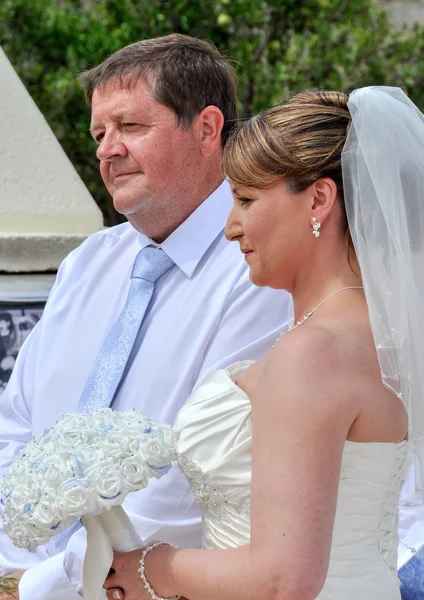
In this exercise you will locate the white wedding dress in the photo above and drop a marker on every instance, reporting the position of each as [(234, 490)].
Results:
[(214, 447)]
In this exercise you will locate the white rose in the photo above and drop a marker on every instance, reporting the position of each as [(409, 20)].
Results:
[(135, 471), (115, 441), (72, 421), (88, 437), (48, 512), (102, 419), (70, 439), (133, 446), (100, 466), (155, 453), (33, 535), (87, 457), (75, 498), (18, 533), (136, 426), (109, 486), (30, 489), (57, 468)]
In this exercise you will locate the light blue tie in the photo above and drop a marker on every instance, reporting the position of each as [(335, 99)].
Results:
[(106, 374)]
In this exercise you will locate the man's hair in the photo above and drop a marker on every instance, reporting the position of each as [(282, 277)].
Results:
[(184, 73)]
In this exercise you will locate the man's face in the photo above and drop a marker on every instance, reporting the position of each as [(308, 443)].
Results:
[(146, 159)]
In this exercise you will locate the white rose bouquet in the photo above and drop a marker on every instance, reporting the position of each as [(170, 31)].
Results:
[(84, 467)]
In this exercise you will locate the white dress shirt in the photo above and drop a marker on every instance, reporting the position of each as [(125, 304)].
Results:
[(205, 315)]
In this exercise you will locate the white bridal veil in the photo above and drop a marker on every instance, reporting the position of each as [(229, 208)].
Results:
[(383, 176)]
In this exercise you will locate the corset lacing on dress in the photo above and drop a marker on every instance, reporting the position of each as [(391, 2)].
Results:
[(389, 522)]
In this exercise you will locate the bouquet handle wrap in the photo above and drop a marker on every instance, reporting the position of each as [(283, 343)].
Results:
[(109, 531)]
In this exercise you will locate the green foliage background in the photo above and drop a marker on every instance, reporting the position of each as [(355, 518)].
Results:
[(278, 46)]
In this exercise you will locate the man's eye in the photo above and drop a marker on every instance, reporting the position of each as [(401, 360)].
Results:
[(99, 137), (245, 201)]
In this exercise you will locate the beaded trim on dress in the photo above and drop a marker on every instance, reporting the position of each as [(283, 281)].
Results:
[(212, 497)]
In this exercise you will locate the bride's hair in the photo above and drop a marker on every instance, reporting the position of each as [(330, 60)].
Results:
[(299, 141)]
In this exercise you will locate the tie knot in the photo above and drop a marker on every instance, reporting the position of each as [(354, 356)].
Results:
[(150, 264)]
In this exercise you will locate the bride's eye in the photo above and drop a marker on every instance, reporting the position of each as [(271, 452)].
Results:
[(245, 201)]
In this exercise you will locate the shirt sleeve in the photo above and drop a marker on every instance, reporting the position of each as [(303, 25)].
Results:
[(251, 321), (48, 581), (16, 432)]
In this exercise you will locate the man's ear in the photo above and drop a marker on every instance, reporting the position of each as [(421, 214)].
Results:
[(209, 123)]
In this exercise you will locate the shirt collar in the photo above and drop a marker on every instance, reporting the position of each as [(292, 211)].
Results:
[(187, 245)]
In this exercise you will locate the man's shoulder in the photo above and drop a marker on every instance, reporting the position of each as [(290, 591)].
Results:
[(105, 239), (124, 232), (99, 248)]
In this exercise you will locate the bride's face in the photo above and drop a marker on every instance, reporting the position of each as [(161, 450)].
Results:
[(273, 229)]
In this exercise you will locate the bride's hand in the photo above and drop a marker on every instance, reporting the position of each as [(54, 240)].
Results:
[(124, 581)]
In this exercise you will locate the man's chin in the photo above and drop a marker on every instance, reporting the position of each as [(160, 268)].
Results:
[(126, 207)]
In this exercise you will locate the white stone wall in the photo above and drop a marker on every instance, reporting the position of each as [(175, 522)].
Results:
[(45, 208), (404, 12)]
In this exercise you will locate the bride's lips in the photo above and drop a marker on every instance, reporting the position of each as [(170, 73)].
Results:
[(246, 252)]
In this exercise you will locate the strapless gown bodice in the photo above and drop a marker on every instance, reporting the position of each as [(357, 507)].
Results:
[(215, 453)]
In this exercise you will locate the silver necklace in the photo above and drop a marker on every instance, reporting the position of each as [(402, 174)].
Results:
[(306, 317)]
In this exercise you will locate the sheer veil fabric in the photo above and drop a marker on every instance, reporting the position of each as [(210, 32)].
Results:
[(383, 176)]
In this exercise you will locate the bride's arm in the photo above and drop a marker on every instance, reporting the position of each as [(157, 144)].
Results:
[(303, 407)]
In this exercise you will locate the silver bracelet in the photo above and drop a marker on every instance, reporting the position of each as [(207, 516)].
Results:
[(141, 570)]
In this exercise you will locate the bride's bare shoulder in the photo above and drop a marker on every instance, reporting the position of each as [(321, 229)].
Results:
[(311, 342), (333, 369), (320, 358), (328, 343), (304, 383)]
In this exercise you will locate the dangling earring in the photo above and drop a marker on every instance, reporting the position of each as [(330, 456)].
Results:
[(316, 227)]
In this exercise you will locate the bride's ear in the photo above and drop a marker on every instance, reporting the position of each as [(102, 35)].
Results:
[(323, 198)]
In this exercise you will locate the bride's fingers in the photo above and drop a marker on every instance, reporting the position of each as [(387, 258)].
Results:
[(115, 594)]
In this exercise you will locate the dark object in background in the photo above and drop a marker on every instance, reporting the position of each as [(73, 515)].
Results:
[(16, 323)]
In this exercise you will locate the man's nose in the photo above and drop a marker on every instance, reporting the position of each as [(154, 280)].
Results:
[(111, 146)]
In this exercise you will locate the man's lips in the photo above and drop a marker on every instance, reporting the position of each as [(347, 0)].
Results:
[(121, 176)]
